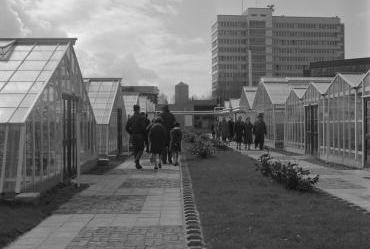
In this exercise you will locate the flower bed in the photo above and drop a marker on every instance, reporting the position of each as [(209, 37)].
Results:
[(287, 173)]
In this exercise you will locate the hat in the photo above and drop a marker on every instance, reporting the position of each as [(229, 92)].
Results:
[(136, 108)]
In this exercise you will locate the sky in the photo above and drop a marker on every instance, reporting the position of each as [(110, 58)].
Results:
[(160, 42)]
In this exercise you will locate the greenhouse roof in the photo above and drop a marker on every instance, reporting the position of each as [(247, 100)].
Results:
[(130, 99), (352, 79), (278, 92), (321, 87), (299, 92), (102, 93), (26, 66), (226, 104), (250, 93)]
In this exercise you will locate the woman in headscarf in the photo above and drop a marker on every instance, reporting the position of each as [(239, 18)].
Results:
[(157, 143)]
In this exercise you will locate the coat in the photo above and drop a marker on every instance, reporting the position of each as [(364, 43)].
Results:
[(231, 128), (176, 137), (156, 142), (238, 130), (259, 130), (224, 129), (248, 131), (169, 121)]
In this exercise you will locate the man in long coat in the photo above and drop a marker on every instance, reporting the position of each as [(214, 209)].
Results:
[(169, 121), (259, 130), (136, 127)]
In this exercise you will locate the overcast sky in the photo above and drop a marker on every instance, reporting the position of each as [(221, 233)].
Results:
[(160, 42)]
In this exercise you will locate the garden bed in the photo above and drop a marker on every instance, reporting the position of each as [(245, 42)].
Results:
[(239, 208)]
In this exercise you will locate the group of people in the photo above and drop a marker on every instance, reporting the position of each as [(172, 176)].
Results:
[(241, 131), (162, 137)]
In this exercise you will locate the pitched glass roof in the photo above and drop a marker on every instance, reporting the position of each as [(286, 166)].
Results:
[(250, 93), (299, 92), (130, 99), (321, 87), (25, 69), (102, 93), (353, 79)]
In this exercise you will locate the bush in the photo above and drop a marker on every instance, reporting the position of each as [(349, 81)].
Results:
[(202, 148), (289, 174)]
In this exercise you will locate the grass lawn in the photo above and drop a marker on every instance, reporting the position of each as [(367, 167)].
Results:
[(239, 208)]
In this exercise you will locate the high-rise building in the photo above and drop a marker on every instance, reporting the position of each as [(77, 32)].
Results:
[(255, 44), (181, 93)]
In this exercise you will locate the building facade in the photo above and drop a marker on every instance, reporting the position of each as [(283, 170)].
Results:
[(255, 44), (151, 92), (331, 68)]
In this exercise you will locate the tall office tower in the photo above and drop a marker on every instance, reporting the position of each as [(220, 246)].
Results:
[(278, 45), (181, 93)]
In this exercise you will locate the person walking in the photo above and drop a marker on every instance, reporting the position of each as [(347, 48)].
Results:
[(218, 130), (248, 133), (231, 129), (168, 123), (136, 127), (224, 129), (156, 142), (175, 143), (147, 123), (238, 130), (213, 130), (259, 130)]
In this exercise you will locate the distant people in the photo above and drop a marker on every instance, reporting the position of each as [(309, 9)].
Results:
[(231, 129), (238, 130), (175, 143), (248, 133), (224, 129), (218, 129), (156, 142), (136, 127), (168, 123), (259, 130), (213, 130), (147, 123)]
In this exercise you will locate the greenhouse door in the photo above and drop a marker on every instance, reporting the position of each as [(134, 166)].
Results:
[(367, 132), (69, 136), (119, 132), (312, 133)]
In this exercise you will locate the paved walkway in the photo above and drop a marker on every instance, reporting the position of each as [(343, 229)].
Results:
[(124, 208), (350, 185)]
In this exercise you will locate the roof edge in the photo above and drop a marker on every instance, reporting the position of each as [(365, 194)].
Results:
[(38, 39)]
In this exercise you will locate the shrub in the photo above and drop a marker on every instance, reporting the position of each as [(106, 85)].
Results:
[(289, 174), (202, 148)]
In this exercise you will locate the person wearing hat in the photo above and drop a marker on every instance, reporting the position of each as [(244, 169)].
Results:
[(259, 130), (136, 127), (156, 142)]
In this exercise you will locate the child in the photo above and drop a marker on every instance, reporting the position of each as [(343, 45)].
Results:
[(175, 142), (156, 142)]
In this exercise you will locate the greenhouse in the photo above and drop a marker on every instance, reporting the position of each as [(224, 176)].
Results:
[(246, 102), (343, 112), (314, 101), (108, 107), (294, 122), (366, 120), (47, 127), (235, 108), (129, 100)]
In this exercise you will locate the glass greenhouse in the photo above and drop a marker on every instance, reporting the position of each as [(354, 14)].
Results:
[(294, 122), (108, 107), (343, 111), (246, 102), (129, 100), (47, 126)]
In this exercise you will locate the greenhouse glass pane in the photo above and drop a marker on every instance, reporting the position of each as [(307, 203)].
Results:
[(22, 48), (25, 76), (18, 55), (45, 75), (57, 55), (62, 47), (37, 86), (10, 99), (9, 65), (17, 87), (39, 55), (28, 100), (4, 75), (19, 115), (2, 84), (51, 65), (5, 114), (44, 47), (32, 65)]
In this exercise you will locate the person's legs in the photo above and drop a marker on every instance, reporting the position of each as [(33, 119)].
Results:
[(262, 141), (138, 142), (164, 155), (176, 158), (169, 153)]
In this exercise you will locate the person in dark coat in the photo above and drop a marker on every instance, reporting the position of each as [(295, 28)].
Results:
[(168, 123), (231, 129), (259, 130), (136, 127), (248, 133), (175, 143), (238, 130), (147, 123), (224, 129), (156, 142)]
